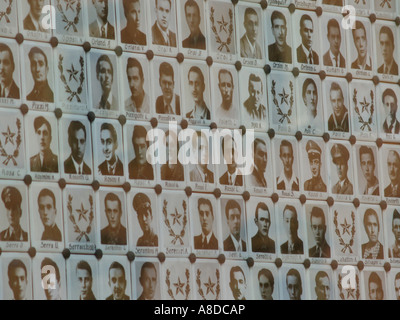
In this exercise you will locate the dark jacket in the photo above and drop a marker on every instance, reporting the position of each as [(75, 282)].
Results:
[(396, 127), (393, 71), (52, 234), (211, 245), (14, 91), (329, 63), (389, 192), (69, 167), (302, 58), (174, 174), (140, 171), (315, 185), (137, 37), (119, 169), (94, 31), (158, 38), (259, 243), (276, 55), (50, 163), (106, 236), (229, 246), (224, 180), (160, 108), (41, 92), (326, 252), (5, 236), (298, 247), (111, 297), (191, 43)]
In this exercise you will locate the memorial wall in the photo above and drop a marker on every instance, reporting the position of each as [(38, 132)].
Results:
[(199, 149)]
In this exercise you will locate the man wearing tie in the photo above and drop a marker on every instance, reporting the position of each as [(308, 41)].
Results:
[(340, 157), (294, 245), (200, 172), (139, 168), (8, 87), (12, 200), (305, 53), (197, 87), (206, 240), (101, 27), (233, 242), (232, 176), (253, 105), (260, 154), (161, 33), (105, 76), (391, 124), (333, 57), (112, 165), (45, 160), (32, 21), (386, 41), (318, 227), (249, 47), (169, 102), (393, 165)]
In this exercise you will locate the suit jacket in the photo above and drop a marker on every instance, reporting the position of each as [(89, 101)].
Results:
[(28, 23), (298, 247), (275, 55), (354, 65), (158, 38), (302, 58), (140, 171), (329, 63), (41, 92), (14, 91), (119, 169), (111, 297), (52, 234), (245, 50), (346, 189), (196, 177), (211, 245), (174, 174), (50, 163), (106, 236), (90, 296), (113, 106), (396, 127), (259, 114), (190, 114), (94, 30), (137, 37), (69, 167), (191, 43), (326, 252), (394, 70), (229, 246), (5, 235), (389, 192), (224, 180), (256, 179), (380, 253), (261, 244), (294, 187), (160, 108)]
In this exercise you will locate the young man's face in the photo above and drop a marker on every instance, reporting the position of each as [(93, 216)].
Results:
[(251, 24), (335, 39), (318, 228), (6, 68), (167, 85), (84, 283), (372, 228), (193, 19), (263, 222), (375, 291), (342, 168), (238, 285), (105, 76), (393, 163), (149, 282), (206, 219), (293, 287), (261, 157), (323, 288), (279, 30), (53, 294), (315, 167), (265, 288), (145, 218), (337, 103), (163, 12), (306, 32), (196, 86), (368, 166), (101, 7), (360, 41), (391, 105), (256, 92), (140, 147), (47, 211), (387, 47), (44, 137), (108, 144), (286, 155), (113, 214), (117, 283), (290, 223), (133, 14), (14, 216), (78, 145), (36, 7), (234, 222), (18, 282), (135, 82), (311, 97), (39, 68), (396, 229), (226, 88)]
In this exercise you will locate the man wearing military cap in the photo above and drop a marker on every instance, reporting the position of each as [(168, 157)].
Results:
[(340, 156), (314, 157), (394, 249), (12, 199), (142, 205)]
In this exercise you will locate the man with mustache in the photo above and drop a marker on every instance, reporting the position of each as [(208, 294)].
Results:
[(101, 27), (40, 69), (389, 101), (373, 249), (206, 240), (131, 33), (233, 213), (32, 21), (393, 165), (305, 52), (316, 183), (139, 168), (142, 205), (169, 102), (112, 165), (261, 242), (367, 162), (249, 47), (105, 76), (279, 51), (115, 232), (45, 160), (48, 212), (363, 61), (162, 35), (8, 87), (148, 281), (117, 282), (340, 157)]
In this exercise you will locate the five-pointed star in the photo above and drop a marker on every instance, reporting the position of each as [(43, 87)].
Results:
[(350, 293), (82, 213), (176, 217), (222, 25), (70, 4), (284, 97), (9, 136), (365, 105), (210, 286), (72, 73), (179, 286), (346, 227)]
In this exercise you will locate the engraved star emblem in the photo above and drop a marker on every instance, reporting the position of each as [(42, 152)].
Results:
[(365, 105), (72, 73), (284, 97), (82, 213), (210, 286), (346, 227), (9, 136), (179, 286), (222, 25), (70, 5), (176, 217), (350, 293)]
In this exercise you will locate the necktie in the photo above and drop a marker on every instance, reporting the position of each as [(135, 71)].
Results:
[(339, 188), (80, 172), (386, 70), (336, 61), (204, 244), (230, 180), (205, 178), (310, 58), (168, 109), (2, 92), (103, 32)]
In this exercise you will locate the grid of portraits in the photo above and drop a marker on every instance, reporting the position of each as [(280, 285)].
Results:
[(94, 93)]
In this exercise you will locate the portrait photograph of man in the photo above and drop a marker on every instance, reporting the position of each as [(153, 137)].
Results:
[(394, 243), (293, 285), (164, 27), (207, 239), (343, 164), (288, 162), (333, 56), (235, 226), (169, 101), (9, 72), (368, 183), (45, 287), (50, 217), (361, 41), (14, 209), (78, 140), (280, 50), (373, 249), (101, 15), (261, 241), (109, 143), (336, 107), (317, 167), (40, 74), (201, 172), (238, 283), (387, 51), (193, 25), (251, 37), (143, 208), (397, 286), (266, 283), (254, 98), (85, 280), (391, 124), (375, 286), (392, 190), (172, 170), (134, 12), (139, 168), (232, 176), (323, 286), (260, 159), (33, 21), (317, 222), (149, 280), (114, 233), (309, 33), (18, 279), (290, 225), (117, 280)]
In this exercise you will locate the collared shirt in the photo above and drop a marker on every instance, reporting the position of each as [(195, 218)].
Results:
[(371, 190), (389, 124), (288, 183), (208, 237), (143, 108), (108, 103), (200, 111), (387, 68), (308, 53), (232, 177), (252, 47), (165, 34), (78, 167), (367, 63), (170, 105), (5, 90), (100, 24), (237, 244), (341, 124), (17, 234), (111, 168), (335, 59), (200, 172)]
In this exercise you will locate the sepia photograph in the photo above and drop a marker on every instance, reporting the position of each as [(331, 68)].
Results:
[(10, 73), (388, 113), (390, 173), (115, 278), (322, 283), (293, 282), (83, 278), (375, 288), (9, 24), (16, 276), (385, 9), (391, 220), (146, 279), (236, 281), (265, 281), (35, 20)]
